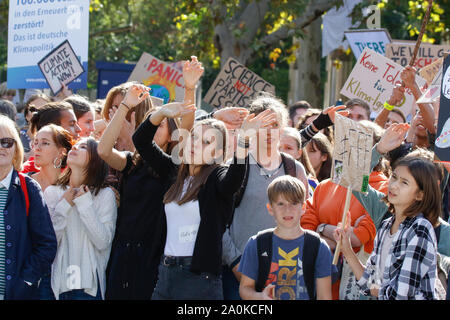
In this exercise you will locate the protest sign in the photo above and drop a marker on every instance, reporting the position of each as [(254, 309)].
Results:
[(372, 80), (35, 28), (352, 154), (235, 86), (401, 52), (375, 39), (166, 80), (433, 92), (60, 66), (429, 72), (442, 145)]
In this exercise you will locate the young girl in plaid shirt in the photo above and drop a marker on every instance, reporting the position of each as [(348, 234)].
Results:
[(403, 262)]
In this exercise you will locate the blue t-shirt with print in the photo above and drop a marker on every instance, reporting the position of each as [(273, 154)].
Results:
[(286, 270)]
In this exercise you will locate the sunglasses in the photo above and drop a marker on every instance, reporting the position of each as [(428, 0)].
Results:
[(7, 142)]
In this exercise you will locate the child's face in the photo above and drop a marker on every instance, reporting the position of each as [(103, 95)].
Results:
[(290, 146), (403, 190), (285, 213)]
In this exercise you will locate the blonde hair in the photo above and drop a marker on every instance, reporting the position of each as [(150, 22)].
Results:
[(8, 127)]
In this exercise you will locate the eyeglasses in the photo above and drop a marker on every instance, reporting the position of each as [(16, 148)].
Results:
[(7, 142)]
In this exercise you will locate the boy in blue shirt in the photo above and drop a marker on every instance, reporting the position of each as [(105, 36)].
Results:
[(286, 279)]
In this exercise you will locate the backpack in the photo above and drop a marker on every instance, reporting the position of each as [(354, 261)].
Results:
[(23, 185), (289, 167), (310, 251)]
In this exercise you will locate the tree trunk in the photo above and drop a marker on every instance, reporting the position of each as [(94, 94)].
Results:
[(304, 73)]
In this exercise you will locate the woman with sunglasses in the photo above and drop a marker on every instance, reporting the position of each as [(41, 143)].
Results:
[(83, 211), (133, 264), (27, 239)]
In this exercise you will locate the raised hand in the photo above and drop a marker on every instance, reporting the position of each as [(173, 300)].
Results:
[(177, 109), (398, 94), (392, 137), (252, 123), (408, 76), (135, 95), (192, 71), (231, 116), (69, 195), (331, 112)]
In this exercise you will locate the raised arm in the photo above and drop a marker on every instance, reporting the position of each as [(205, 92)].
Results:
[(397, 96), (408, 75), (114, 158), (324, 120), (160, 161), (192, 71)]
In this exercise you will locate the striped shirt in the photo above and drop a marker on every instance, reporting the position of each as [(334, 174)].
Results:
[(3, 198)]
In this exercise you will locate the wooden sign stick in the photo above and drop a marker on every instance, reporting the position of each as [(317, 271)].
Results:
[(422, 31), (344, 221)]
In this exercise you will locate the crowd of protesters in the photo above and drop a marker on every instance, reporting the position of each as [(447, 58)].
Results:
[(120, 200)]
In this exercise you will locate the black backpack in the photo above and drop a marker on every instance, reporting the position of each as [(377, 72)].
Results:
[(310, 251)]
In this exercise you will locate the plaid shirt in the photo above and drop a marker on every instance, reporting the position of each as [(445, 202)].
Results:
[(410, 270)]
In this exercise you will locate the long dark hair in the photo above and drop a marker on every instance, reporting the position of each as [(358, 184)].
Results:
[(175, 192), (95, 173), (426, 176)]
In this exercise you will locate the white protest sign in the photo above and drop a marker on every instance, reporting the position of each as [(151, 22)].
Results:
[(373, 79), (352, 154), (375, 39), (61, 65), (165, 79), (432, 93), (36, 27)]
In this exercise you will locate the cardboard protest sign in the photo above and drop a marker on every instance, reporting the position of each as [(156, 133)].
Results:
[(401, 52), (442, 146), (61, 65), (352, 154), (375, 39), (165, 79), (372, 80), (429, 72), (235, 86), (433, 92)]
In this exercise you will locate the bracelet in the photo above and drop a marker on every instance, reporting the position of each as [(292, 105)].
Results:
[(387, 106), (125, 105), (192, 89)]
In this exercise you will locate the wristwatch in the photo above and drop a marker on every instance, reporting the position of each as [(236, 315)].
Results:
[(321, 227)]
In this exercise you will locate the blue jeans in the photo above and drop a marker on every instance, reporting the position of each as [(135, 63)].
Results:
[(46, 292), (230, 284), (178, 283)]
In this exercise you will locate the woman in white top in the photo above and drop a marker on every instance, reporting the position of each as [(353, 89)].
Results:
[(83, 211)]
